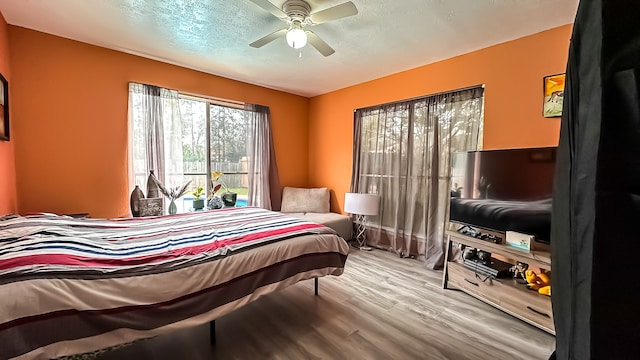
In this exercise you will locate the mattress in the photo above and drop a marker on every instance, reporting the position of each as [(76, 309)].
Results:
[(69, 286), (342, 224)]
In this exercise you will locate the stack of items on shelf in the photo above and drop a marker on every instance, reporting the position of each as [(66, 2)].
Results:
[(482, 263)]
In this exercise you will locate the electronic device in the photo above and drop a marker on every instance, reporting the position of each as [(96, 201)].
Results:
[(470, 231), (489, 267), (504, 190)]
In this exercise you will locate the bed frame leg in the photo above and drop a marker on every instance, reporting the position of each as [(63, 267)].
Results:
[(315, 280), (212, 332)]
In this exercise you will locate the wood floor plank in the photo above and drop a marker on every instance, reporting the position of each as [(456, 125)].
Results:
[(382, 307)]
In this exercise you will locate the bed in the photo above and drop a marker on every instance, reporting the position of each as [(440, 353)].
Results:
[(69, 286)]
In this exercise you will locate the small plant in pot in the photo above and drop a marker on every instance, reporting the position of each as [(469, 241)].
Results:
[(228, 198), (198, 203)]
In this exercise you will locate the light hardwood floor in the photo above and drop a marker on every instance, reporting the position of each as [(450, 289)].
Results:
[(382, 307)]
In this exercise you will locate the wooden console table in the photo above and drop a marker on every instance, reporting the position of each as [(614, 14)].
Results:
[(506, 294)]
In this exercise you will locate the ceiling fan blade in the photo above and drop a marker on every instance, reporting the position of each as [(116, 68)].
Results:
[(319, 44), (269, 38), (267, 5), (333, 13)]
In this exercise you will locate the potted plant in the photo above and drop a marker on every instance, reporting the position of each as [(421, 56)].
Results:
[(228, 197), (198, 203)]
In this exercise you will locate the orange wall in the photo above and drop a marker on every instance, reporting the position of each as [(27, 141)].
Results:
[(8, 198), (512, 73), (70, 115)]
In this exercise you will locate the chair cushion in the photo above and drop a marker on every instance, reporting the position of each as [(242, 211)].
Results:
[(304, 200)]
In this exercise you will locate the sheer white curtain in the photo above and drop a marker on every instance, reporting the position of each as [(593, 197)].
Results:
[(402, 153), (155, 135), (264, 184)]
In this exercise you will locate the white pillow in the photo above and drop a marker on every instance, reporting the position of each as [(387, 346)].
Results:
[(315, 200)]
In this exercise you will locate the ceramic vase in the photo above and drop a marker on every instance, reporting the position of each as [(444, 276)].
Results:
[(172, 207), (134, 201), (152, 187)]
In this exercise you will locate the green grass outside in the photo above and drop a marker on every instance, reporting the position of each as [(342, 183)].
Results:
[(240, 191)]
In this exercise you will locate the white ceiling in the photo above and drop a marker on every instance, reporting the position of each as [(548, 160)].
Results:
[(213, 36)]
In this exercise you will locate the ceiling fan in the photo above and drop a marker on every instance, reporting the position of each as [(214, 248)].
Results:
[(297, 14)]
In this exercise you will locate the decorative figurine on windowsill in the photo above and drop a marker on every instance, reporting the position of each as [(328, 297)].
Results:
[(215, 202)]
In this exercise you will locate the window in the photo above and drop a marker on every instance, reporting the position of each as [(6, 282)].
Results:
[(185, 138), (223, 148), (398, 145), (402, 153)]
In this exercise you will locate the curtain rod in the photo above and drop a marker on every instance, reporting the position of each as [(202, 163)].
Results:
[(219, 101), (420, 97)]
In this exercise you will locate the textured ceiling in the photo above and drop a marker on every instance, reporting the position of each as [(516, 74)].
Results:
[(213, 36)]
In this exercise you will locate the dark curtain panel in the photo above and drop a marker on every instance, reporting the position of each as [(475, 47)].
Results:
[(264, 182), (155, 132), (402, 153), (595, 239)]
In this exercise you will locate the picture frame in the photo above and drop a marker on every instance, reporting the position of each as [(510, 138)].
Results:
[(151, 206), (4, 109), (553, 87)]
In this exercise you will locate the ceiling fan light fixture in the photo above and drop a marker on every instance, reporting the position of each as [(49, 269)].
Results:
[(297, 14), (296, 37)]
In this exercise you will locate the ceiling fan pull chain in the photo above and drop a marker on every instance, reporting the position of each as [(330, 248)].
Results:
[(300, 54)]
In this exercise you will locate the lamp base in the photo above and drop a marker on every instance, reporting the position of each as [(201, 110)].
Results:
[(361, 236)]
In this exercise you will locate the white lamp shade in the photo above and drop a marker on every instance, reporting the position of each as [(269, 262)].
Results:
[(296, 38), (361, 204)]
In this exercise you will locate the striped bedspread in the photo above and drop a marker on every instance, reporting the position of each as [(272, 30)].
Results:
[(106, 281)]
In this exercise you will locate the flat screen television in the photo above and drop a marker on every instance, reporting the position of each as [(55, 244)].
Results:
[(504, 190)]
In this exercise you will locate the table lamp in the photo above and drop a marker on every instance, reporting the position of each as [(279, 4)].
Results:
[(361, 205)]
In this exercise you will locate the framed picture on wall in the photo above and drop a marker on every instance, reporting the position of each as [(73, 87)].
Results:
[(553, 95), (4, 109)]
